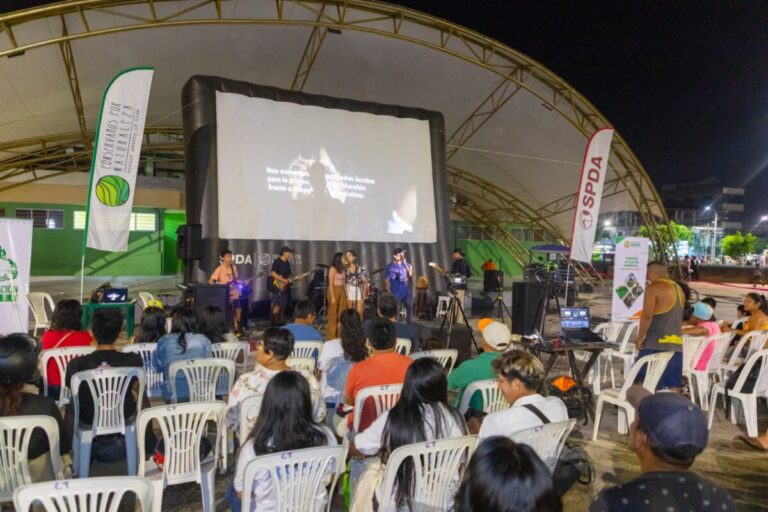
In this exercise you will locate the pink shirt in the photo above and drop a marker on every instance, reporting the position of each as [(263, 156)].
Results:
[(712, 329)]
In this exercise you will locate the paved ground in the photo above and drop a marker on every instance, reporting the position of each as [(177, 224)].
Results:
[(726, 461)]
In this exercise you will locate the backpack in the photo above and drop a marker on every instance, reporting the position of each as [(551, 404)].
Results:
[(577, 399)]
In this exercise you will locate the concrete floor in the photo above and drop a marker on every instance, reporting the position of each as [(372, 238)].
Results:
[(726, 461)]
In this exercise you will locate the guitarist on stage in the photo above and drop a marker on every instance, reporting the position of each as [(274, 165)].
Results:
[(281, 272), (226, 273)]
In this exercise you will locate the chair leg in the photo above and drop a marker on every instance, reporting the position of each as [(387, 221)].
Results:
[(84, 455), (598, 415), (712, 407), (750, 414), (613, 376), (206, 484), (131, 450), (157, 494), (623, 421)]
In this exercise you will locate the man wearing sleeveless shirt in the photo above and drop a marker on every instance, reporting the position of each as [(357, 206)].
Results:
[(661, 324)]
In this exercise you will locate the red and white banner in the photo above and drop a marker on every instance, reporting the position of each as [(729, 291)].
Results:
[(590, 192)]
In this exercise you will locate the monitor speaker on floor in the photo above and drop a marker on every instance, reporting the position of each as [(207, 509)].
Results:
[(527, 300)]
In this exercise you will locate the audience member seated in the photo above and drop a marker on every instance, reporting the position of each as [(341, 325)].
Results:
[(495, 339), (386, 307), (18, 366), (668, 433), (700, 324), (338, 356), (105, 327), (184, 342), (421, 414), (303, 318), (66, 331), (384, 366), (755, 306), (503, 476), (213, 325), (271, 355), (521, 375), (153, 325), (710, 301), (285, 423)]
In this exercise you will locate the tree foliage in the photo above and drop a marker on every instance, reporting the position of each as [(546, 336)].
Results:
[(737, 245), (679, 232)]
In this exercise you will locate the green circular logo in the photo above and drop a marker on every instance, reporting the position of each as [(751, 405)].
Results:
[(112, 191)]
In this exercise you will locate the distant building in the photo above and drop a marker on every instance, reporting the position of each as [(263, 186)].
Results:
[(685, 203)]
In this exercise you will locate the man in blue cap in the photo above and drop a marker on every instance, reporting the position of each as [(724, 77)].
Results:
[(668, 433)]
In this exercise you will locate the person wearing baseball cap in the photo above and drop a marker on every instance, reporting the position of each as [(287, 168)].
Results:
[(668, 433), (281, 291), (495, 339)]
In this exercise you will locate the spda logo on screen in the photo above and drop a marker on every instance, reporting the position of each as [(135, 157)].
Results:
[(9, 272)]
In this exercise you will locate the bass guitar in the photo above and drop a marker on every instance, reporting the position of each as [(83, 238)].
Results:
[(280, 286)]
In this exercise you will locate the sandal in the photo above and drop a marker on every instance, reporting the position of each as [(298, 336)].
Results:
[(753, 444)]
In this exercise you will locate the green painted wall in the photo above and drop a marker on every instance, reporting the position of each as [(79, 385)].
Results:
[(57, 252)]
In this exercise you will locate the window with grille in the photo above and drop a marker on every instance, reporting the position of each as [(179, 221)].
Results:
[(139, 221), (42, 219)]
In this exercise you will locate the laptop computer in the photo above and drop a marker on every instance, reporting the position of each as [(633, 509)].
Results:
[(114, 296), (574, 322)]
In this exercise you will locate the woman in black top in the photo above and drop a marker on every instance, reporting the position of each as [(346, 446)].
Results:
[(18, 365)]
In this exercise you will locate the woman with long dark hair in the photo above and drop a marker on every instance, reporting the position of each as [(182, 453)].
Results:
[(213, 324), (421, 414), (153, 325), (757, 308), (66, 330), (356, 278), (184, 342), (339, 355), (337, 293), (506, 477), (285, 423)]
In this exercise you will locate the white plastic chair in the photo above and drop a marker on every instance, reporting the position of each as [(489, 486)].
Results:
[(297, 477), (249, 412), (443, 301), (61, 356), (302, 363), (750, 343), (15, 433), (307, 349), (103, 494), (202, 376), (145, 299), (182, 427), (445, 356), (109, 388), (546, 440), (656, 364), (232, 350), (739, 397), (610, 332), (435, 465), (403, 346), (154, 378), (493, 399), (383, 398), (700, 379), (37, 302), (692, 346), (626, 353)]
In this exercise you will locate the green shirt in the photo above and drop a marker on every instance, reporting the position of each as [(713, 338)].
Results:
[(470, 371)]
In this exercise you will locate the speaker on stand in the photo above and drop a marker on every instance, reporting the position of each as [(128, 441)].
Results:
[(189, 246)]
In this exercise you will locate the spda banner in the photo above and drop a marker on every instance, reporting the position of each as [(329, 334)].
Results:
[(590, 192), (116, 159), (15, 257)]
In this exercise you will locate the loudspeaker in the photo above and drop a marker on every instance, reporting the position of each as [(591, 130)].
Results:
[(527, 308), (189, 244), (204, 295), (493, 280), (460, 339)]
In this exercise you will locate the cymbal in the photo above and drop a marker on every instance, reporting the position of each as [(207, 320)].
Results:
[(322, 266)]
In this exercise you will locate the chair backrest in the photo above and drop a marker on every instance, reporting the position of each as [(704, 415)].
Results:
[(232, 350), (249, 411), (103, 494), (145, 299), (202, 376), (493, 399), (761, 384), (631, 330), (435, 465), (109, 388), (383, 398), (739, 322), (609, 330), (546, 440), (15, 434), (692, 346), (182, 426), (297, 476), (403, 346), (302, 363), (445, 356), (37, 301), (722, 342), (656, 364), (758, 343), (61, 356), (307, 349), (154, 379)]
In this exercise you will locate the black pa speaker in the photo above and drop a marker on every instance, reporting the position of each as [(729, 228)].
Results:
[(527, 306), (189, 242), (493, 280), (204, 295)]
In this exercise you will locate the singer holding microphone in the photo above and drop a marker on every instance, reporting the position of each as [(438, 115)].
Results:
[(397, 280)]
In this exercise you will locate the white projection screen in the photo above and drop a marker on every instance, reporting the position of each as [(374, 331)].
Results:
[(288, 171)]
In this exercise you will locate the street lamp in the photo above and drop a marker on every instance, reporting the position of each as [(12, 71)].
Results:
[(713, 249)]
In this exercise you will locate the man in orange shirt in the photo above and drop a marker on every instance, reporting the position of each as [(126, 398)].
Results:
[(384, 366), (226, 273)]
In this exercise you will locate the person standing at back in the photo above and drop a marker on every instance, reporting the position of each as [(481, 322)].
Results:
[(661, 324)]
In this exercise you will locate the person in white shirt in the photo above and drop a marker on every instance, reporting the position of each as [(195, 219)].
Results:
[(285, 423), (520, 376), (421, 414), (338, 356)]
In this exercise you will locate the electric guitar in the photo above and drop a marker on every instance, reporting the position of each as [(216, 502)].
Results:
[(437, 267), (280, 286)]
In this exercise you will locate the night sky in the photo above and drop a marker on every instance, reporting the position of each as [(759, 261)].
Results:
[(685, 82)]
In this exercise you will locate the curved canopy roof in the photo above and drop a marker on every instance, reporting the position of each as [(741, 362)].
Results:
[(516, 132)]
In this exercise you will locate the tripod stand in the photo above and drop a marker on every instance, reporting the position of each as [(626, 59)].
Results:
[(501, 306), (451, 314)]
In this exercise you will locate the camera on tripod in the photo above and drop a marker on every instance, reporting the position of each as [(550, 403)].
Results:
[(455, 282)]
